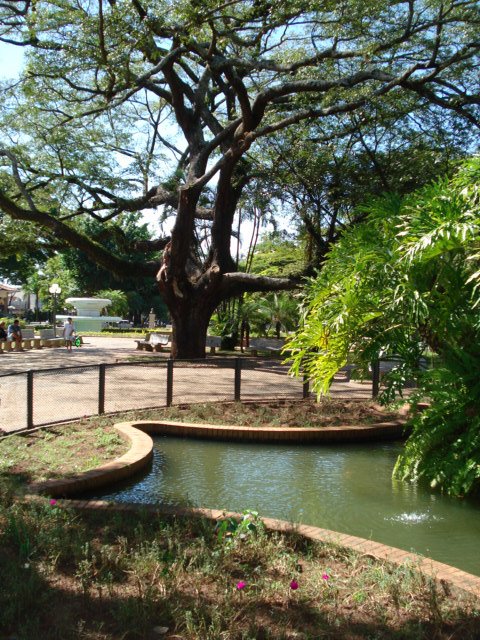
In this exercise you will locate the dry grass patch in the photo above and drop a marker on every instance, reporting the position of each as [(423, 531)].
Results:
[(288, 413), (57, 451)]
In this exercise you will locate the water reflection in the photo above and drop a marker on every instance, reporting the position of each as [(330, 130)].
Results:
[(347, 489)]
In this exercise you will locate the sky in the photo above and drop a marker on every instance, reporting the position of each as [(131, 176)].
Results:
[(11, 59)]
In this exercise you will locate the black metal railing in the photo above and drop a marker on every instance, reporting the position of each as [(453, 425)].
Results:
[(48, 396)]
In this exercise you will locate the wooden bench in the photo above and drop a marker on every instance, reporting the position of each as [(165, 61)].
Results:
[(346, 371), (153, 342), (48, 338), (265, 345), (213, 343)]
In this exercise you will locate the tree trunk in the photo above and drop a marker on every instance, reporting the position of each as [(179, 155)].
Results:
[(189, 327)]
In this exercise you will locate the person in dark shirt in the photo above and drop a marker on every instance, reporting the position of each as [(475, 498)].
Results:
[(3, 333), (14, 332)]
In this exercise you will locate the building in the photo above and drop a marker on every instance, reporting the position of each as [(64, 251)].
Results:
[(14, 301), (9, 300)]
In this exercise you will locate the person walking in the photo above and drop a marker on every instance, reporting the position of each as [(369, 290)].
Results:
[(3, 332), (68, 333)]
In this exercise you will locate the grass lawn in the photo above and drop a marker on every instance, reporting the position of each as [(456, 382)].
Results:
[(107, 576)]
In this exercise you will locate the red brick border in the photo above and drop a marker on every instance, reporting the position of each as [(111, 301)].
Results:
[(343, 433), (140, 455)]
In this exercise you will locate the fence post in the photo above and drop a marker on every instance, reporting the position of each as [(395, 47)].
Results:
[(375, 378), (169, 382), (101, 389), (29, 399), (238, 380), (306, 386)]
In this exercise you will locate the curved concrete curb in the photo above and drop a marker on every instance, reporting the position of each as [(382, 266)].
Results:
[(138, 457), (381, 431)]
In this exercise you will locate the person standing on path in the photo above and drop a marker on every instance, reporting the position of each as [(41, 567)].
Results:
[(68, 333), (3, 332)]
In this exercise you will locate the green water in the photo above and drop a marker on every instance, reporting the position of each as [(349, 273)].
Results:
[(344, 488)]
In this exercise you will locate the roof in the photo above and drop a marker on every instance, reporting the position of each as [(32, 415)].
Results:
[(8, 287)]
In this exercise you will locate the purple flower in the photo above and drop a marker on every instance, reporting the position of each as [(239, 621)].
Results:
[(53, 502), (241, 585), (293, 585), (325, 576)]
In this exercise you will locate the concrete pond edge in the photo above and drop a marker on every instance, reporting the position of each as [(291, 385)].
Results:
[(140, 455)]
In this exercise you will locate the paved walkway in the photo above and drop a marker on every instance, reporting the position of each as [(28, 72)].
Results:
[(95, 350), (65, 387)]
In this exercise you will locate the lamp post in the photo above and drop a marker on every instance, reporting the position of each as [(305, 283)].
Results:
[(55, 290)]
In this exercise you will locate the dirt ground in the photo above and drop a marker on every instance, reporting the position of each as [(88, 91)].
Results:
[(282, 413)]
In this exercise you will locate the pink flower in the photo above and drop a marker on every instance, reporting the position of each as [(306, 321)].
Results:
[(325, 576), (241, 585), (294, 585), (53, 502)]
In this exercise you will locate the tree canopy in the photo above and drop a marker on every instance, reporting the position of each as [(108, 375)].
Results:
[(390, 148), (126, 106)]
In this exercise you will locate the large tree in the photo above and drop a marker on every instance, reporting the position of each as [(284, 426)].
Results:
[(113, 91)]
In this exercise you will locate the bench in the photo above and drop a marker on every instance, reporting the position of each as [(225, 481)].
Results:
[(10, 345), (385, 366), (346, 371), (153, 342), (29, 340), (266, 345), (213, 343), (48, 338)]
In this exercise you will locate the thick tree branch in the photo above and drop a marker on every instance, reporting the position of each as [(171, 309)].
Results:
[(238, 282), (92, 249)]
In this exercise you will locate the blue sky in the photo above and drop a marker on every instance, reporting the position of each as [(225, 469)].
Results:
[(11, 59)]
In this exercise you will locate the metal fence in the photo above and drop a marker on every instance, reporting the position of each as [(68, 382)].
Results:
[(48, 396)]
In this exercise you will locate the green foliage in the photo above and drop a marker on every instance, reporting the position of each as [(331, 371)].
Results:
[(56, 270), (119, 301), (444, 447), (404, 281), (232, 529), (10, 321), (322, 185), (278, 254), (22, 250), (271, 313)]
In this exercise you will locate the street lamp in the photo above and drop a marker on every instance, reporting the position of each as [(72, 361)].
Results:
[(55, 290)]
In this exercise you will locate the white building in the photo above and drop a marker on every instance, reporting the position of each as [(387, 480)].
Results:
[(14, 301)]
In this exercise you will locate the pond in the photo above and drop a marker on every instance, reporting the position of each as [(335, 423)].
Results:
[(346, 488)]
